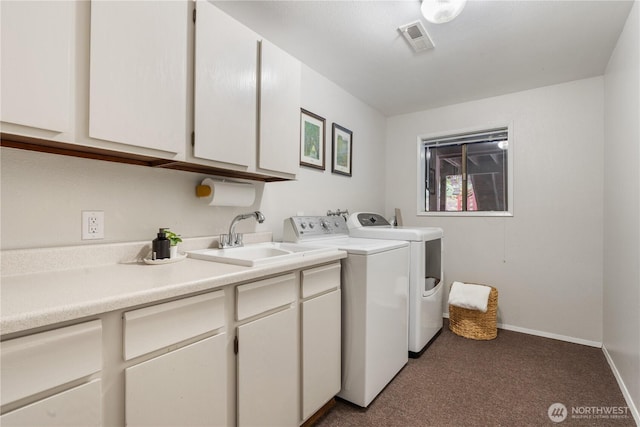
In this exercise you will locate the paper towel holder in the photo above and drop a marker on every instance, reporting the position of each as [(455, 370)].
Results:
[(226, 193), (204, 189)]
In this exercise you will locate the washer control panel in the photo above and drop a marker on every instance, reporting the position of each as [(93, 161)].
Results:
[(365, 219), (297, 228)]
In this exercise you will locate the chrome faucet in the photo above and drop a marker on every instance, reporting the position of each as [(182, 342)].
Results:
[(234, 239)]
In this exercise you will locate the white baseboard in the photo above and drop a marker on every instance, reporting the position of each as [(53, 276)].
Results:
[(566, 338), (535, 332), (623, 388)]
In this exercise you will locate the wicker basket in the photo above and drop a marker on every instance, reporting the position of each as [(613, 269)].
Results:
[(475, 324)]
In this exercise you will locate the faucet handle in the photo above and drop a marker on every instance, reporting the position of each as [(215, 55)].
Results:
[(238, 240), (224, 241)]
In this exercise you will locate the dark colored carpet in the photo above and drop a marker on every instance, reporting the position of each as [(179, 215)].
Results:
[(509, 381)]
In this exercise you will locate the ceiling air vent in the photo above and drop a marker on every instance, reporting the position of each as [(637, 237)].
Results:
[(417, 36)]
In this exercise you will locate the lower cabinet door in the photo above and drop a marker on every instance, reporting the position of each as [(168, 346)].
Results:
[(321, 356), (79, 406), (268, 371), (186, 387)]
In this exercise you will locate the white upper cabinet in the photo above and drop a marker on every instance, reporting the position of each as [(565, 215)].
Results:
[(37, 63), (247, 97), (138, 73), (121, 76), (225, 88), (279, 110)]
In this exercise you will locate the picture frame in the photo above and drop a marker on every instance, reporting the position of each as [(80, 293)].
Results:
[(312, 140), (342, 146)]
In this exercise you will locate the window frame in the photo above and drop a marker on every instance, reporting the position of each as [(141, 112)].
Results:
[(421, 190)]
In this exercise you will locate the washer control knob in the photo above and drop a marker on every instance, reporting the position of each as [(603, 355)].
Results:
[(324, 224), (311, 225), (303, 225)]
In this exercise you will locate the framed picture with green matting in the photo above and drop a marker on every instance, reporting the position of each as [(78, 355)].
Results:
[(342, 150), (312, 140)]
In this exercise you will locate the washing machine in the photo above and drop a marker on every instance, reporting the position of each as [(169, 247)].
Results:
[(426, 281), (375, 295)]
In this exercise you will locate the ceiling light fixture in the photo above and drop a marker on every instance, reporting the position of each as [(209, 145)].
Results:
[(441, 11)]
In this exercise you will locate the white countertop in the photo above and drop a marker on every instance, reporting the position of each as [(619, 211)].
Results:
[(33, 300)]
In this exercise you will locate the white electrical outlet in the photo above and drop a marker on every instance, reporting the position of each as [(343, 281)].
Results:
[(92, 225)]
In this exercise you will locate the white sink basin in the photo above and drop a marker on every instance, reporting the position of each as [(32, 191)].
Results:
[(256, 254)]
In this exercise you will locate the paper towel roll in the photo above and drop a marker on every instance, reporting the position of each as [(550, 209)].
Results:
[(229, 193)]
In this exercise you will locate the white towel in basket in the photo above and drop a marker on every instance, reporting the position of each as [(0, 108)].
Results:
[(467, 295)]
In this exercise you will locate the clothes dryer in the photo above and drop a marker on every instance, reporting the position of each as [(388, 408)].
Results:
[(426, 276)]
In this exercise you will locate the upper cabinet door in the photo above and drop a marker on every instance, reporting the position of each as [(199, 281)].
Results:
[(225, 88), (280, 77), (37, 63), (138, 73)]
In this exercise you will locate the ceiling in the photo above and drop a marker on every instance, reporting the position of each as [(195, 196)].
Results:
[(491, 48)]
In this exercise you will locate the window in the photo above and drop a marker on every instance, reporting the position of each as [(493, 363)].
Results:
[(466, 172)]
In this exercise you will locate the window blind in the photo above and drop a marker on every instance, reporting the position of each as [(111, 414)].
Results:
[(492, 135)]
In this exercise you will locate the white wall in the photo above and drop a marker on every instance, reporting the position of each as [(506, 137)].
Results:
[(546, 261), (318, 191), (43, 194), (622, 208)]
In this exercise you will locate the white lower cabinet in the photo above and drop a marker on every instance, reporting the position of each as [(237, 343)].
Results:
[(267, 371), (174, 363), (268, 360), (48, 378), (321, 362), (289, 361), (162, 325), (79, 406), (186, 387), (321, 340)]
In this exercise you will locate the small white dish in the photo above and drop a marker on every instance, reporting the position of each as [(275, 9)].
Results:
[(178, 258)]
